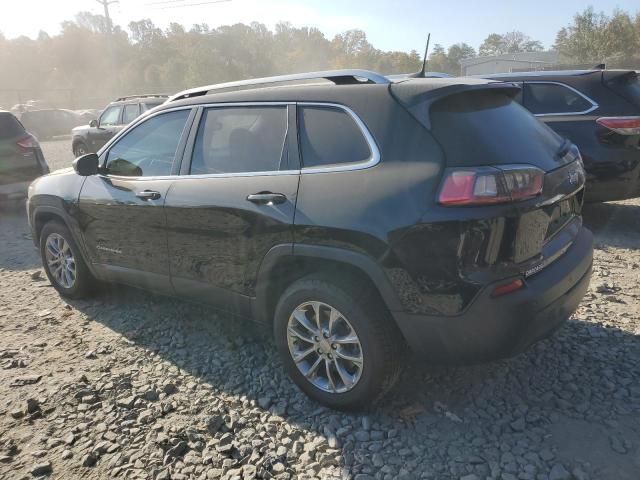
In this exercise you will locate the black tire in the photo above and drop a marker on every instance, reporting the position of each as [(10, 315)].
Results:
[(382, 346), (84, 281), (80, 148)]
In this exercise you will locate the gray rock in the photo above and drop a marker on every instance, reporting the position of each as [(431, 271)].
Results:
[(169, 388), (33, 406), (89, 460), (558, 472), (67, 454), (43, 468), (361, 435)]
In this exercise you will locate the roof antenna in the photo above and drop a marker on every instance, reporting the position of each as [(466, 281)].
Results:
[(424, 61)]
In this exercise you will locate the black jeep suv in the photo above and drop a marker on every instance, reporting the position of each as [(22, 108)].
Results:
[(598, 110), (116, 116), (359, 219)]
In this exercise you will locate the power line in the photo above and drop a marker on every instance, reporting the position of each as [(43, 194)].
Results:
[(197, 4)]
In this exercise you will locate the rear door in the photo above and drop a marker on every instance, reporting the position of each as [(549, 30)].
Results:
[(121, 210), (233, 201), (563, 108)]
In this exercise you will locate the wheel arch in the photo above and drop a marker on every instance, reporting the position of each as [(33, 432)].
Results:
[(284, 264)]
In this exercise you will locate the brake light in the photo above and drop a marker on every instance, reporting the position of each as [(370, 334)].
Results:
[(28, 142), (621, 125), (490, 185)]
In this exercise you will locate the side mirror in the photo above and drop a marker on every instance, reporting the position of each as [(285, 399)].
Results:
[(93, 123), (86, 165)]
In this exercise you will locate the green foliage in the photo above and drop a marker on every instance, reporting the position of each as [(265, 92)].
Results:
[(449, 61), (510, 42), (597, 38), (85, 66)]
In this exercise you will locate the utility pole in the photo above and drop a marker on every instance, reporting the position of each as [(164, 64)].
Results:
[(105, 4)]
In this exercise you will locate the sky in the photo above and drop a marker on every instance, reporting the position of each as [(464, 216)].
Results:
[(389, 24)]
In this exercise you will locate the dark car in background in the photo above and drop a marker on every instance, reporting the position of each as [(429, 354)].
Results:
[(116, 116), (48, 123), (599, 111), (21, 159), (349, 217)]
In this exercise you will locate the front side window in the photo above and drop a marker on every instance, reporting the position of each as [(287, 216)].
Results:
[(110, 116), (330, 136), (131, 112), (149, 149), (546, 98), (240, 139)]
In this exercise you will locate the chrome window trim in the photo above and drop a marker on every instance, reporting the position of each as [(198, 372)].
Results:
[(594, 105), (373, 160)]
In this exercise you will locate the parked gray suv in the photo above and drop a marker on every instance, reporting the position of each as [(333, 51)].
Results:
[(116, 116)]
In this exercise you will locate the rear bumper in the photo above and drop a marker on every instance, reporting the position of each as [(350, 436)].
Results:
[(14, 190), (492, 328)]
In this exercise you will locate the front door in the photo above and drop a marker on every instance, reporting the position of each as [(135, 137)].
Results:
[(234, 200), (121, 210), (109, 124)]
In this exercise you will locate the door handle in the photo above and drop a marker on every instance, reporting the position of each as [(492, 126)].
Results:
[(148, 195), (267, 198)]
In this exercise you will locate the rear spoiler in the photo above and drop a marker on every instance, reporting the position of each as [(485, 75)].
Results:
[(618, 75), (418, 97)]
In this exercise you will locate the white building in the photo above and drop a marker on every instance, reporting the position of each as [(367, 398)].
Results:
[(508, 62)]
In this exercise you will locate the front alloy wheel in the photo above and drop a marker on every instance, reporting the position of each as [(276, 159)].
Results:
[(60, 260), (325, 347)]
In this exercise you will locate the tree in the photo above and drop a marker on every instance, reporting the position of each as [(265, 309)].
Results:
[(449, 61), (510, 42), (595, 38)]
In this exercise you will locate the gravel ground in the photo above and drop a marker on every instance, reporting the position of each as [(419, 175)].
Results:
[(132, 385)]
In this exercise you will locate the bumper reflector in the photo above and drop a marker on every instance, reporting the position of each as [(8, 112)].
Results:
[(505, 288)]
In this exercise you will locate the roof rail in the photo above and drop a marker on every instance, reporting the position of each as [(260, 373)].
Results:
[(142, 95), (340, 77)]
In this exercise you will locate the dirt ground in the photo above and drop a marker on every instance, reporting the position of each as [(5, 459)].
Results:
[(132, 385)]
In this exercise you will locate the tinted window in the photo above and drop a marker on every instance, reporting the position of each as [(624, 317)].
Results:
[(149, 105), (485, 128), (10, 127), (150, 148), (110, 116), (131, 112), (542, 98), (240, 139), (628, 86), (330, 136)]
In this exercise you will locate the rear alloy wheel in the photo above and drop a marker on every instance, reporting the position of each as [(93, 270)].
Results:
[(337, 342), (325, 347), (63, 263)]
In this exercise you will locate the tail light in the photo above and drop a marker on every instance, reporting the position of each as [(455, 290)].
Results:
[(490, 185), (506, 288), (621, 125), (28, 142)]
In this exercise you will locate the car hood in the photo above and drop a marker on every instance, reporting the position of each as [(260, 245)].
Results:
[(80, 129)]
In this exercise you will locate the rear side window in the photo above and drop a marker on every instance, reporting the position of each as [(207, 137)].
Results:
[(149, 105), (131, 112), (490, 128), (149, 148), (10, 127), (546, 98), (330, 136), (240, 139)]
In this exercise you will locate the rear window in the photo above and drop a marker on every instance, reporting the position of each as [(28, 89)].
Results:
[(628, 86), (10, 127), (488, 128), (330, 136)]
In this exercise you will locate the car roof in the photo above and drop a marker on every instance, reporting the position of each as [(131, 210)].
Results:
[(321, 92), (549, 74)]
